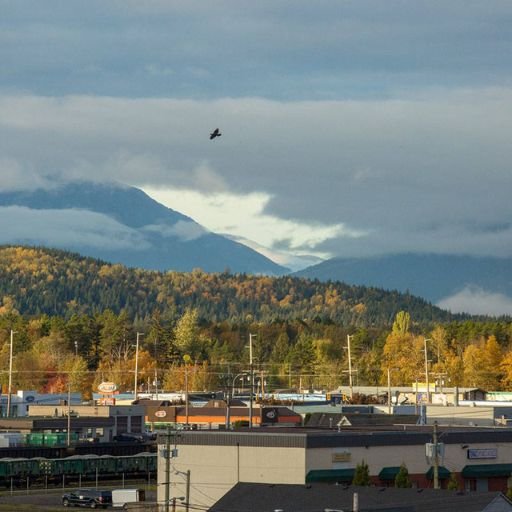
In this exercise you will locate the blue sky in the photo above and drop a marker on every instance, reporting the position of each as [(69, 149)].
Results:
[(350, 128)]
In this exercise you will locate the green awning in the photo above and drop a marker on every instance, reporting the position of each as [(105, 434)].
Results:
[(487, 470), (442, 472), (330, 475), (389, 473)]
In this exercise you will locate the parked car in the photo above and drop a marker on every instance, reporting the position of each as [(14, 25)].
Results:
[(91, 498), (134, 437)]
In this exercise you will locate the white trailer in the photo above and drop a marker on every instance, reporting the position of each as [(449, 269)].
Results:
[(122, 497)]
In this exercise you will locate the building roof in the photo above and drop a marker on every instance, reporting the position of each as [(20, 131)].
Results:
[(310, 438), (248, 497), (59, 422), (332, 419)]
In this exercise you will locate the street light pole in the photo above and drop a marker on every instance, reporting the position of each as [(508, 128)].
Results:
[(136, 365), (350, 366), (9, 387), (426, 370)]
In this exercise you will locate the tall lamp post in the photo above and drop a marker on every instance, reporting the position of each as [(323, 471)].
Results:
[(426, 369), (9, 387), (136, 365)]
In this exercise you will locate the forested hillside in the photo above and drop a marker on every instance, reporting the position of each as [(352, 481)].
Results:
[(76, 321), (62, 283)]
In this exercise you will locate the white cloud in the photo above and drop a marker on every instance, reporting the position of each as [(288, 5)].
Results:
[(237, 215), (184, 230), (17, 177), (66, 228), (476, 301), (347, 178)]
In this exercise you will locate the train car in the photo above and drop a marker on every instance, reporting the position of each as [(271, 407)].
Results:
[(15, 470)]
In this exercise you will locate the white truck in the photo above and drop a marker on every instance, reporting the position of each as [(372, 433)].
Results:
[(121, 498)]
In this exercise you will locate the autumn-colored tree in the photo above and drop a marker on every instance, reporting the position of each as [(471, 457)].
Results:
[(454, 368), (402, 353), (492, 356), (483, 365), (506, 369)]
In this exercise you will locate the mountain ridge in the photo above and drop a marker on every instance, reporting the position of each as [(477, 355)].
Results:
[(431, 276), (137, 230), (55, 282)]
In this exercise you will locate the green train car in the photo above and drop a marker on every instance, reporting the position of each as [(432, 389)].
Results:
[(75, 466)]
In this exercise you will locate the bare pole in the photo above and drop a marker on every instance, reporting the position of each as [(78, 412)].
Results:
[(187, 493), (350, 367), (389, 390), (252, 379), (168, 469), (426, 370), (186, 394), (156, 370), (436, 457), (69, 411), (9, 387), (136, 365)]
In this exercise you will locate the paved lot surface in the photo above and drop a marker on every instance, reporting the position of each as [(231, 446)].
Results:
[(49, 499)]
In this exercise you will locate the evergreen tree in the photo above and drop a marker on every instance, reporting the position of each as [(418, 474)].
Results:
[(402, 480), (362, 475), (453, 483)]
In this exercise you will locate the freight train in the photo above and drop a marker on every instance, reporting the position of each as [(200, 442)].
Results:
[(77, 467)]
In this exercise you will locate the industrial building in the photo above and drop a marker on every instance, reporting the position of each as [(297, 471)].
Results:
[(210, 463)]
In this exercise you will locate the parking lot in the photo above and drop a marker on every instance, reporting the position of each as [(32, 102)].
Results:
[(50, 501)]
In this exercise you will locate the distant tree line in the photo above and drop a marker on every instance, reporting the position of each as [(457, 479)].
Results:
[(76, 321)]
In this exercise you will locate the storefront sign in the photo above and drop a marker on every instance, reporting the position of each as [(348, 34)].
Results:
[(341, 457), (482, 453), (107, 401), (107, 388)]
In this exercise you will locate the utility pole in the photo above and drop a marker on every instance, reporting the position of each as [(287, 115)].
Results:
[(136, 365), (186, 395), (436, 457), (69, 412), (251, 371), (168, 468), (187, 493), (156, 370), (9, 387), (389, 390)]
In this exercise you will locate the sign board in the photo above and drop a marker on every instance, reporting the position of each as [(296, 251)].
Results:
[(270, 414), (160, 414), (107, 401), (107, 388), (341, 457), (421, 387), (483, 453)]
